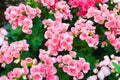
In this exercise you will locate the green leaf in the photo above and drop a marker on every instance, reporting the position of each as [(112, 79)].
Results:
[(15, 35), (37, 24), (32, 3), (81, 46), (116, 66), (111, 77)]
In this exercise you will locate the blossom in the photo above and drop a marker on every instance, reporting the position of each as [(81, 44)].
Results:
[(84, 5), (16, 73), (3, 33), (109, 20), (49, 3), (22, 15), (58, 38), (62, 11), (86, 31), (28, 62), (3, 78), (42, 70), (75, 68), (8, 52), (104, 68)]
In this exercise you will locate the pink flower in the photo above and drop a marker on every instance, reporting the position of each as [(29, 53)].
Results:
[(1, 41), (48, 2), (43, 69), (66, 69), (44, 55), (84, 35), (17, 72), (83, 5), (22, 7), (38, 12), (3, 78), (1, 59), (74, 31), (80, 75), (74, 3), (62, 9), (86, 31), (66, 59), (61, 65), (16, 54), (51, 70), (3, 31), (72, 64), (32, 13), (95, 70), (80, 63), (28, 60), (22, 16), (101, 75), (23, 64), (52, 77), (34, 70), (59, 58), (25, 70), (94, 77), (73, 72), (106, 71), (10, 75), (48, 22), (49, 61), (86, 67), (58, 38), (27, 22), (8, 59), (72, 53), (58, 16), (37, 77)]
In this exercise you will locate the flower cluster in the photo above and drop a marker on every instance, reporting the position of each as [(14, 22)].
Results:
[(83, 5), (33, 70), (86, 31), (28, 62), (115, 42), (45, 56), (62, 11), (49, 3), (3, 33), (22, 15), (14, 50), (3, 78), (39, 71), (104, 68), (17, 73), (46, 68), (100, 15), (58, 38), (72, 67), (111, 20)]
